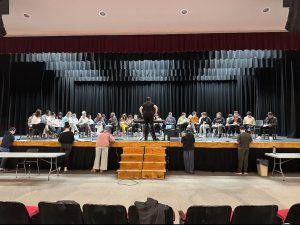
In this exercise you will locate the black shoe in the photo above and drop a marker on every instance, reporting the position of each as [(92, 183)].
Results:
[(156, 139)]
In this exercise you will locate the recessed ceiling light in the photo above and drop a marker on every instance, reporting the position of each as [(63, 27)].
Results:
[(184, 11), (265, 10), (26, 15), (102, 13)]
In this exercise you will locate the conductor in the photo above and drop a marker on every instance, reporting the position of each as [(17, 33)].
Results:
[(148, 110)]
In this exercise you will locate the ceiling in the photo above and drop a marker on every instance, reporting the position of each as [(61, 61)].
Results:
[(129, 17)]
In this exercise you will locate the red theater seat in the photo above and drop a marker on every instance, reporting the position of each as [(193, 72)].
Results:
[(32, 210)]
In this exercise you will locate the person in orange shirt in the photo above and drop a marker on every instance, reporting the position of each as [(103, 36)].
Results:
[(194, 121), (104, 140)]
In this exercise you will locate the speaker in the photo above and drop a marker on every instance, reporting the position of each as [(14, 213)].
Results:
[(2, 28), (4, 7), (293, 23)]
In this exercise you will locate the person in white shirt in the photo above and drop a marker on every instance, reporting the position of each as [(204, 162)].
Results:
[(54, 125), (83, 123), (249, 122), (183, 122), (37, 124)]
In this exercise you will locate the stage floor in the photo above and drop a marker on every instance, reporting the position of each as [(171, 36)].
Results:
[(130, 141)]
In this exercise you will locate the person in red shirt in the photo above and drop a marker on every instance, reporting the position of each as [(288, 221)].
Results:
[(104, 140)]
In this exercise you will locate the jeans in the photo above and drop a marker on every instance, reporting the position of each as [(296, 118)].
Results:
[(3, 161)]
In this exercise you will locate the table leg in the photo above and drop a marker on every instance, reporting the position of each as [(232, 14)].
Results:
[(274, 167), (51, 162), (280, 167), (56, 167)]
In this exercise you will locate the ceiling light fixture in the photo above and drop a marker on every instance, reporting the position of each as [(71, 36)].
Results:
[(265, 10), (102, 13), (184, 11)]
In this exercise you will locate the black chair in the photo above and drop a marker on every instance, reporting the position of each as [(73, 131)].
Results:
[(255, 215), (104, 214), (206, 215), (29, 162), (293, 216), (38, 130), (60, 213), (13, 213), (133, 215)]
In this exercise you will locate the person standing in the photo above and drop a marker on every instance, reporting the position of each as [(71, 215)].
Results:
[(244, 139), (7, 142), (188, 141), (104, 140), (66, 139), (148, 110)]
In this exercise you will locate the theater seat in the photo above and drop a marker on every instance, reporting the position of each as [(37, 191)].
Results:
[(283, 214), (104, 214), (60, 213), (255, 215), (293, 215), (206, 215), (13, 213)]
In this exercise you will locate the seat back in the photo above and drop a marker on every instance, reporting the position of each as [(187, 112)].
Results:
[(60, 213), (133, 215), (13, 213), (259, 123), (208, 215), (104, 214), (255, 214), (293, 216)]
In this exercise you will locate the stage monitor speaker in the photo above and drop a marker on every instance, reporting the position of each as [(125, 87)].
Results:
[(293, 23), (2, 28), (4, 7)]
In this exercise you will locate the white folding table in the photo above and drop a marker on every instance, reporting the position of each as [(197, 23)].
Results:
[(50, 158), (281, 158)]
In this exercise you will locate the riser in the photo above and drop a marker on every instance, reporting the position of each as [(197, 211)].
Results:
[(131, 166), (133, 150), (154, 166), (132, 158), (153, 175), (154, 158), (154, 150), (127, 174)]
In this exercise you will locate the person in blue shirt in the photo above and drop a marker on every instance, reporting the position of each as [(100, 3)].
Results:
[(7, 142)]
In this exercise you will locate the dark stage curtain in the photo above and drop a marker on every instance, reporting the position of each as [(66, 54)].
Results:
[(26, 86), (152, 43)]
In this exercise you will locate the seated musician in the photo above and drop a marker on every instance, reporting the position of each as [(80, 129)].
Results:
[(183, 122), (91, 123), (218, 124), (249, 122), (113, 122), (53, 124), (158, 127), (194, 121), (205, 123), (123, 123), (37, 124), (84, 123), (136, 126), (71, 120), (237, 122), (99, 123), (269, 126), (170, 120), (29, 125), (130, 123)]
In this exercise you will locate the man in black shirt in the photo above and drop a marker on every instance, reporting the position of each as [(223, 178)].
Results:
[(244, 139), (188, 141), (66, 140), (148, 110), (7, 141)]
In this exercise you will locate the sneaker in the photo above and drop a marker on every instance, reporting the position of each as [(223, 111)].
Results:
[(238, 173), (271, 138), (1, 169), (101, 171), (93, 171), (246, 173), (66, 169), (59, 168), (258, 138)]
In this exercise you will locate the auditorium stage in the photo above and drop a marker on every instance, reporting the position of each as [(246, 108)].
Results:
[(126, 141), (212, 154)]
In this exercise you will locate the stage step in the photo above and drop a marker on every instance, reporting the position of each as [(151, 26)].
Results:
[(129, 174), (131, 165), (134, 150), (155, 158), (132, 157), (155, 150), (154, 174), (154, 166)]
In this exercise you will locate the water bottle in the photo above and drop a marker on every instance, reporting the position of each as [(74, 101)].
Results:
[(274, 150)]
